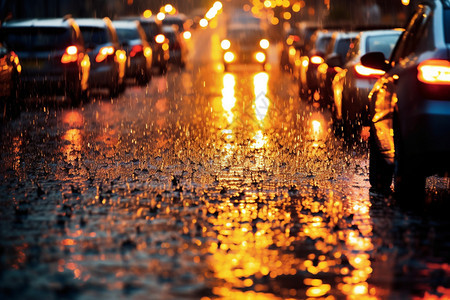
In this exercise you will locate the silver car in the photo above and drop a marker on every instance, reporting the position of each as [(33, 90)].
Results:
[(352, 84)]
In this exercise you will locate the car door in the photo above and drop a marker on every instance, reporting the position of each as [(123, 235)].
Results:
[(385, 97)]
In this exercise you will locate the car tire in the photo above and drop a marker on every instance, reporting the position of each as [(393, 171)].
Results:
[(380, 171)]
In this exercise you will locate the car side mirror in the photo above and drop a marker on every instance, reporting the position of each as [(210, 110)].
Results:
[(375, 60)]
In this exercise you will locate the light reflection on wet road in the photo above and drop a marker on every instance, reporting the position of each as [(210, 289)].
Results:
[(204, 184)]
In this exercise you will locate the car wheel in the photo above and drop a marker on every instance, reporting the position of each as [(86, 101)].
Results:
[(380, 171)]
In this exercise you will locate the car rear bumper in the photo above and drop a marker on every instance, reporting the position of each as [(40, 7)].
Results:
[(429, 136)]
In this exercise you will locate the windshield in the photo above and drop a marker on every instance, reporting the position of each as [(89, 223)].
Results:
[(383, 44), (94, 35), (126, 34), (42, 39)]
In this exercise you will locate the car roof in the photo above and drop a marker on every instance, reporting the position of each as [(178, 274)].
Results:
[(131, 24), (141, 19), (380, 32), (92, 22), (55, 22)]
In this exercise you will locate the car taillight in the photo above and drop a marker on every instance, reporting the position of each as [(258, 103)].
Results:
[(104, 53), (135, 50), (147, 51), (366, 72), (70, 55), (317, 60), (434, 71)]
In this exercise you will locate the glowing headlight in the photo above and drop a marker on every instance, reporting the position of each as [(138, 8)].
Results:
[(260, 57), (228, 56), (264, 43), (225, 44)]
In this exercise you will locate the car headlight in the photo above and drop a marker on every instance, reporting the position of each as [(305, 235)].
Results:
[(229, 56)]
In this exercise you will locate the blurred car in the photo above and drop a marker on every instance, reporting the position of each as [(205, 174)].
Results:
[(334, 59), (155, 37), (410, 105), (107, 58), (10, 69), (307, 79), (288, 49), (52, 56), (177, 47), (139, 53), (296, 45), (352, 84), (245, 44)]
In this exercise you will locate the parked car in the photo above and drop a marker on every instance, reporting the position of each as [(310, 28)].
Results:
[(107, 58), (177, 47), (410, 105), (334, 59), (156, 39), (52, 56), (139, 53), (307, 78), (10, 69), (245, 44), (352, 84)]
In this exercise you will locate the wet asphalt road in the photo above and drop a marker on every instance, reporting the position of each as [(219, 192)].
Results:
[(205, 184)]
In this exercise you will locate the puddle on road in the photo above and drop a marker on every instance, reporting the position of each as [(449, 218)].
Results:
[(236, 190)]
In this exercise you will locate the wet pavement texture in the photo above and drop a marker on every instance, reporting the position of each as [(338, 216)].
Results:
[(206, 184)]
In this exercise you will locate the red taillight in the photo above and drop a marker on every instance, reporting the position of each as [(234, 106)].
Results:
[(136, 49), (104, 53), (434, 71), (70, 55), (317, 60), (366, 72)]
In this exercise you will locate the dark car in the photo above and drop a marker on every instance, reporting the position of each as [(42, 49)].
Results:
[(334, 59), (410, 105), (245, 44), (52, 55), (139, 53), (156, 39), (107, 58), (10, 69), (307, 79), (352, 84), (177, 47)]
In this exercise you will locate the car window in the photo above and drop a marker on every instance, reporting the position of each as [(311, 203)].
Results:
[(342, 47), (409, 41), (382, 43), (42, 39), (126, 34), (353, 50), (322, 42), (94, 35), (447, 25)]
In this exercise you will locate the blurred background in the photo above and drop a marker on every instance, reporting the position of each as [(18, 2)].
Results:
[(278, 11)]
